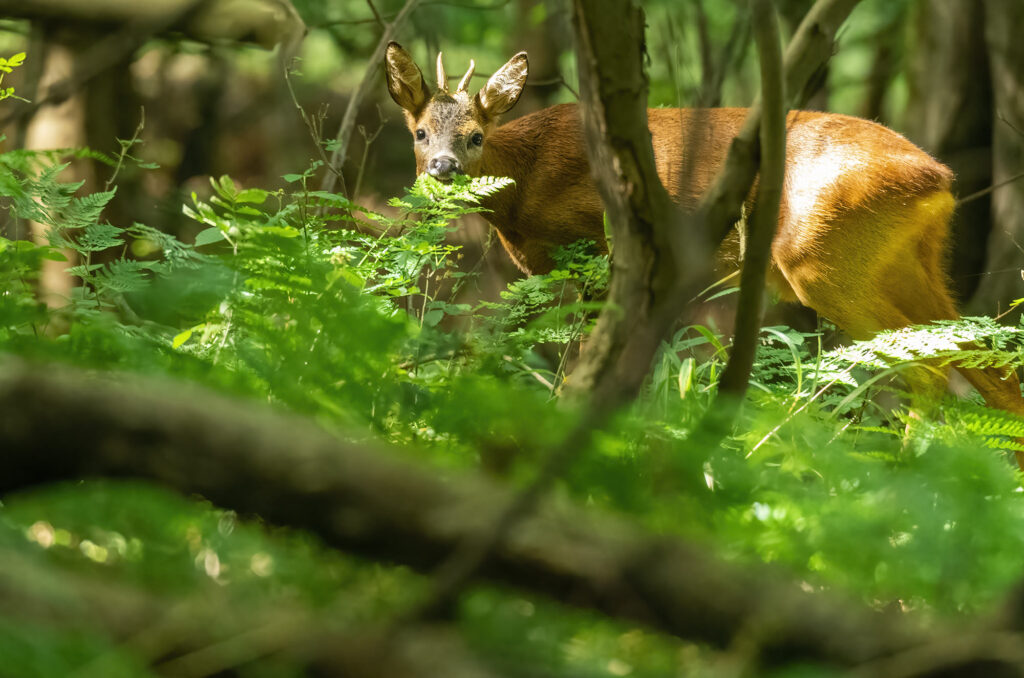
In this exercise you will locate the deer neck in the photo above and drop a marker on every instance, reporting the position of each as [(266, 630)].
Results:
[(507, 154)]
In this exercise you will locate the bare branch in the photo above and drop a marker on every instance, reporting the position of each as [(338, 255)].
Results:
[(985, 191), (761, 231), (370, 78), (651, 265)]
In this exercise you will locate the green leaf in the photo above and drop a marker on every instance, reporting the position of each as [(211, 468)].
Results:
[(255, 196), (209, 236), (181, 338), (433, 317)]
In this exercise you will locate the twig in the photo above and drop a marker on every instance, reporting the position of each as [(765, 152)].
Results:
[(376, 14), (559, 80), (370, 77), (125, 146), (368, 140), (314, 124), (1009, 124), (985, 191)]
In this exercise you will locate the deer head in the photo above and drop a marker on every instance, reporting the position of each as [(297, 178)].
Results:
[(449, 128)]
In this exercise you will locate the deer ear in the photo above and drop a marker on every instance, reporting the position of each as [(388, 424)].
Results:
[(504, 87), (405, 81)]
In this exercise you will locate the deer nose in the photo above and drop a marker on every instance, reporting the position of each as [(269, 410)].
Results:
[(443, 166)]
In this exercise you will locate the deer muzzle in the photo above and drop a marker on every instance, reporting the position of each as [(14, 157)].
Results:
[(442, 167)]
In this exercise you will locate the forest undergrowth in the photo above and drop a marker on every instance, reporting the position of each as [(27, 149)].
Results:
[(352, 317)]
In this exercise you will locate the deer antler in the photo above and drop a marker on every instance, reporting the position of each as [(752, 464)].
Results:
[(442, 77), (464, 83)]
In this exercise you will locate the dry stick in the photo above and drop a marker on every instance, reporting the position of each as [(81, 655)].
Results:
[(761, 230), (370, 78)]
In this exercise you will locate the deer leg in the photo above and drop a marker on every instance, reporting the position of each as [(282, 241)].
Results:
[(893, 278), (926, 383), (999, 387), (1001, 390)]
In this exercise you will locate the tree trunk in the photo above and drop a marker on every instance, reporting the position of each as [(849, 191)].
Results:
[(950, 114), (1002, 281), (52, 127)]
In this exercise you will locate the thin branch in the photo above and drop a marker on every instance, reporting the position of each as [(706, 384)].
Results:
[(368, 139), (125, 147), (1002, 118), (376, 14), (556, 80), (559, 80), (370, 78), (985, 191), (314, 123), (761, 230)]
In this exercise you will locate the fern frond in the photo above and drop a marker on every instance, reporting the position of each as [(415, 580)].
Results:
[(967, 342), (98, 237), (176, 253), (986, 422), (122, 275), (85, 211)]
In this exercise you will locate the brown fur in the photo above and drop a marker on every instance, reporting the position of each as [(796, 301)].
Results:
[(863, 221)]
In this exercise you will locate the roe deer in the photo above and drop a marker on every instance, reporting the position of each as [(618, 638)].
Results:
[(862, 225)]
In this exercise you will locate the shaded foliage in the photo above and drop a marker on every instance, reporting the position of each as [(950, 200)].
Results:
[(345, 314)]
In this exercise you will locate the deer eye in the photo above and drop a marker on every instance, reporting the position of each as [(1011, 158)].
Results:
[(477, 139), (420, 135)]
